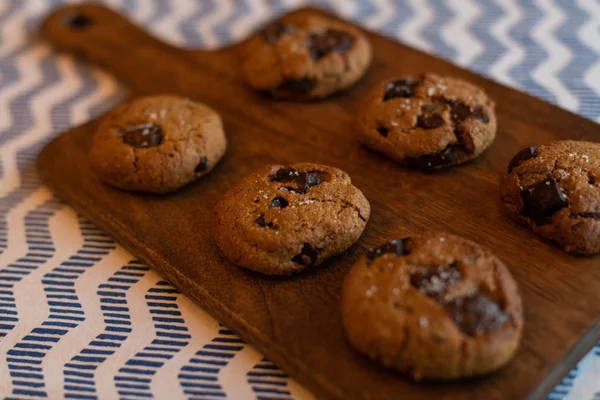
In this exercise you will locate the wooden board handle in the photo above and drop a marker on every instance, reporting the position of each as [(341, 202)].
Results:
[(104, 37)]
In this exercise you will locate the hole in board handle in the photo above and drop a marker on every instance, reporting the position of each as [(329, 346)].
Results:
[(76, 21)]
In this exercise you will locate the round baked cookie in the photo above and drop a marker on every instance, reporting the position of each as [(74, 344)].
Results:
[(157, 144), (284, 219), (304, 56), (433, 306), (555, 190), (428, 121)]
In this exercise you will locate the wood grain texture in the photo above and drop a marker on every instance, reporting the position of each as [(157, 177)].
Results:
[(296, 321)]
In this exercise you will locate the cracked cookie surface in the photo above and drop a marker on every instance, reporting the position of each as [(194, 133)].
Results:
[(284, 219), (428, 121), (157, 144), (303, 56), (433, 306), (555, 190)]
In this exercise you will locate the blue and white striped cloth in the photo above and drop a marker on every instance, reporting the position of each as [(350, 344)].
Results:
[(80, 318)]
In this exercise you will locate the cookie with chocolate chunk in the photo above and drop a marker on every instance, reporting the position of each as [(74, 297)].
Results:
[(157, 144), (305, 56), (433, 306), (284, 219), (555, 190), (428, 121)]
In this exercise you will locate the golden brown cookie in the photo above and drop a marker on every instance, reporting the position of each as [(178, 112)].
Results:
[(284, 219), (157, 144), (304, 56), (555, 190), (427, 121), (434, 306)]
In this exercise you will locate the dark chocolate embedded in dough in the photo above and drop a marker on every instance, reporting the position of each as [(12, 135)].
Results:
[(542, 200), (143, 136), (320, 44)]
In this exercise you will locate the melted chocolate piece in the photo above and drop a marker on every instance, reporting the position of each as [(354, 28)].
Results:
[(299, 85), (143, 136), (285, 175), (307, 257), (202, 165), (433, 281), (475, 313), (260, 221), (383, 131), (301, 181), (521, 157), (448, 156), (430, 121), (272, 33), (461, 112), (278, 203), (331, 40), (399, 247), (542, 200), (400, 88)]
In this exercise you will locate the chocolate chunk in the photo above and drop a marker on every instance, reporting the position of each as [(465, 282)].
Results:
[(272, 33), (542, 200), (383, 131), (461, 112), (479, 115), (331, 40), (311, 180), (143, 136), (399, 247), (400, 88), (446, 157), (297, 85), (301, 180), (307, 257), (285, 175), (521, 157), (430, 121), (433, 281), (475, 313), (202, 165), (260, 221), (278, 203), (77, 21)]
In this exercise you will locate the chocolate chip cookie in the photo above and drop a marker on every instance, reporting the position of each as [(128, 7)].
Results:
[(157, 144), (555, 190), (433, 306), (304, 56), (428, 121), (284, 219)]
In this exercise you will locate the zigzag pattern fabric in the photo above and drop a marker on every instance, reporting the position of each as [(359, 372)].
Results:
[(81, 319)]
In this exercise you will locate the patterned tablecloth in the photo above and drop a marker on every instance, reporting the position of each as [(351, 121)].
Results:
[(80, 318)]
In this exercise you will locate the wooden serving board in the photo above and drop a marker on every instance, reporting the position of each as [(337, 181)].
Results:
[(296, 321)]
